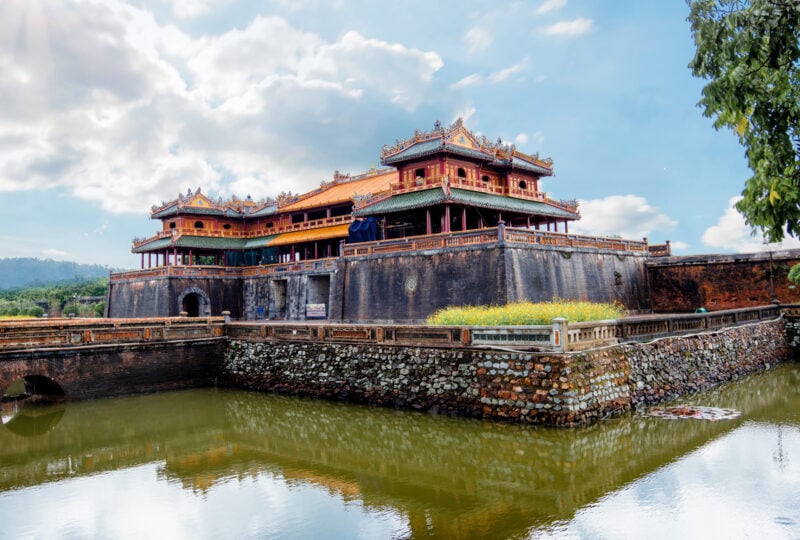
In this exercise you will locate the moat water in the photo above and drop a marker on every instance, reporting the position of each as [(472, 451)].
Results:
[(217, 463)]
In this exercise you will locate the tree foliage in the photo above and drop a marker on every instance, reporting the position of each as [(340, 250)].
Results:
[(749, 51), (57, 297)]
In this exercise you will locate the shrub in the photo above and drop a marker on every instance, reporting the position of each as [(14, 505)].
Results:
[(526, 313), (794, 273)]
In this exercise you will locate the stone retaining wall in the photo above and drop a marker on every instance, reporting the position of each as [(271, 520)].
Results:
[(569, 389)]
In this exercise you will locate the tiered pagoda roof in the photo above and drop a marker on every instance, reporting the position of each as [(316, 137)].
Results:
[(458, 140)]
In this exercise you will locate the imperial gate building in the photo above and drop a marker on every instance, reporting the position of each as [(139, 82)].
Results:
[(451, 219)]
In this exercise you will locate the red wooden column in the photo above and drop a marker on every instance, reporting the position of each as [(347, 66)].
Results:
[(428, 221), (175, 256), (446, 227), (142, 267), (190, 257), (566, 226), (464, 219)]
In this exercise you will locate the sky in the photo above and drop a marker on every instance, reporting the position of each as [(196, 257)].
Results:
[(110, 107)]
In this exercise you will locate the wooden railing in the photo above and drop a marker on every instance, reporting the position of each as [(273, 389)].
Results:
[(474, 185), (214, 233)]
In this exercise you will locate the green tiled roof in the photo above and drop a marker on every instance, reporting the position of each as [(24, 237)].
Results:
[(433, 146), (161, 243), (210, 242), (428, 197), (206, 242), (190, 210)]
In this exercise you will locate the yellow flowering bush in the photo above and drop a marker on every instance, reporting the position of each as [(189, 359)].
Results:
[(526, 313)]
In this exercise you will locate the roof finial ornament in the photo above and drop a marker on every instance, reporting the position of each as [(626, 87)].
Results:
[(437, 125)]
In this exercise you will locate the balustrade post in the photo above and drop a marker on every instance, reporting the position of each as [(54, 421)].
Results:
[(558, 336), (501, 232)]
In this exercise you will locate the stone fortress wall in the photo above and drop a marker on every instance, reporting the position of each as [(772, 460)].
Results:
[(564, 389)]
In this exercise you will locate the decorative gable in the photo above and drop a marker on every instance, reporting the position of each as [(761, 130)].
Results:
[(200, 201)]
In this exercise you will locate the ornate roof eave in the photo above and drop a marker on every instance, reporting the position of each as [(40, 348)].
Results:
[(438, 195)]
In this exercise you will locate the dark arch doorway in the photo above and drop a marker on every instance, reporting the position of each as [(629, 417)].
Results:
[(191, 305)]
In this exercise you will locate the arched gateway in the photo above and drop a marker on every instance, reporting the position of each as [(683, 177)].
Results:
[(194, 302)]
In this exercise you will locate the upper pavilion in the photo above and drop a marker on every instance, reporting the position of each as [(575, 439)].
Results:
[(442, 181)]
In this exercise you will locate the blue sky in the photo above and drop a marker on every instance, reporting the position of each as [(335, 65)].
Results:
[(110, 107)]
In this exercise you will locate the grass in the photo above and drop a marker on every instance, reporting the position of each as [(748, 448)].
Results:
[(526, 313)]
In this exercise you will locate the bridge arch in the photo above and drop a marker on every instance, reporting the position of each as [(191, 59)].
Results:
[(32, 385), (195, 302)]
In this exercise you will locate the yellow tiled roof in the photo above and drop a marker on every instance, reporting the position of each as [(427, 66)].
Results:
[(344, 191), (309, 235)]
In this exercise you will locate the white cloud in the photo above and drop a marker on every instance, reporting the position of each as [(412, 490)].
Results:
[(57, 254), (469, 80), (116, 108), (521, 138), (575, 27), (186, 9), (629, 216), (538, 138), (477, 39), (679, 246), (503, 74), (731, 233), (550, 5)]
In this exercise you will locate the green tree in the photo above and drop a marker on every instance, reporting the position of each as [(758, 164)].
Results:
[(749, 51)]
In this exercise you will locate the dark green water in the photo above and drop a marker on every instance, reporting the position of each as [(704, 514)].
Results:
[(229, 464)]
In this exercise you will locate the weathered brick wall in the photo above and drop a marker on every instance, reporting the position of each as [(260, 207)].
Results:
[(683, 284), (412, 287), (112, 371), (576, 388), (159, 296)]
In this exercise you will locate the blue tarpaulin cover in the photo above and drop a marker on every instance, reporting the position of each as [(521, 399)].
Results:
[(363, 230)]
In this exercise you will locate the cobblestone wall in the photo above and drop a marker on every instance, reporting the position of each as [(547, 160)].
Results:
[(576, 388)]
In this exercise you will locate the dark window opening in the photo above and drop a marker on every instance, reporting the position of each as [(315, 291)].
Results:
[(227, 226), (461, 173), (198, 224), (523, 185), (171, 224), (298, 218), (340, 211), (269, 225), (485, 178), (419, 173), (317, 214)]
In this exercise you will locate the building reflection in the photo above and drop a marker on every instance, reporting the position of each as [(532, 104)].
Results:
[(449, 477)]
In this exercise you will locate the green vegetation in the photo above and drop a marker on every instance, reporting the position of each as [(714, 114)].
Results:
[(525, 313), (794, 274), (749, 52), (27, 272), (83, 298)]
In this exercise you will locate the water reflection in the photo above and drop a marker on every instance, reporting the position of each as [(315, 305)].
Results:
[(272, 466), (30, 420)]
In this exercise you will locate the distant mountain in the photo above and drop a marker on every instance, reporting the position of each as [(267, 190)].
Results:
[(15, 273)]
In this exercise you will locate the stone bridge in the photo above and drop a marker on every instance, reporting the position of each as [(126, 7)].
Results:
[(85, 359)]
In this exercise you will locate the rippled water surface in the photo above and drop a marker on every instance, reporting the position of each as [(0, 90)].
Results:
[(229, 464)]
